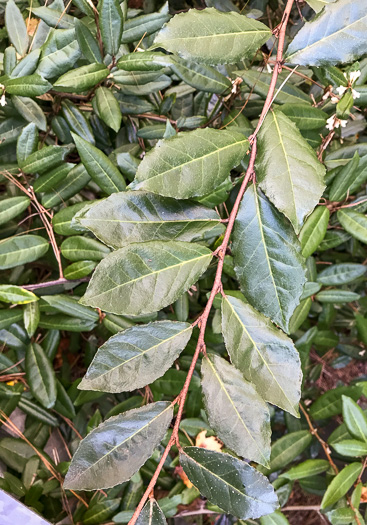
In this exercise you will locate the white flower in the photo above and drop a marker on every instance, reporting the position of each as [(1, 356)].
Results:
[(331, 122), (2, 100), (355, 94), (354, 75), (341, 90), (334, 100), (343, 123)]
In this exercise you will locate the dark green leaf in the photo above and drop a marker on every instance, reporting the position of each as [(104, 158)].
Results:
[(151, 514), (330, 403), (314, 230), (75, 180), (111, 23), (87, 42), (78, 248), (305, 117), (117, 448), (108, 108), (44, 159), (30, 111), (81, 79), (28, 86), (40, 376), (20, 250), (228, 482), (27, 142), (16, 28)]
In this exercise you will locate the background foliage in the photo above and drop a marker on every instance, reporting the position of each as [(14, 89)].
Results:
[(86, 92)]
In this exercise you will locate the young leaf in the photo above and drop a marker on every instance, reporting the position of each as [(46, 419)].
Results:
[(316, 44), (111, 22), (192, 163), (138, 216), (287, 168), (354, 223), (213, 37), (151, 514), (136, 357), (16, 27), (40, 375), (308, 468), (31, 317), (314, 229), (235, 410), (231, 484), (16, 295), (99, 167), (143, 278), (16, 251), (276, 518), (118, 447), (354, 418), (264, 354), (267, 258), (340, 485)]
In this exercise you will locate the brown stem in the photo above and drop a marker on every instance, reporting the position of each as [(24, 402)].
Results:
[(46, 284), (220, 253)]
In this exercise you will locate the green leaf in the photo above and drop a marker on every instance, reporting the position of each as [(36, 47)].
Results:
[(340, 485), (235, 410), (21, 250), (314, 230), (27, 65), (351, 448), (138, 216), (308, 468), (151, 514), (79, 269), (287, 168), (44, 159), (343, 515), (108, 108), (62, 221), (59, 53), (264, 354), (144, 61), (287, 448), (338, 274), (81, 79), (16, 295), (12, 207), (117, 448), (78, 248), (49, 180), (101, 511), (330, 403), (143, 278), (30, 111), (40, 375), (8, 317), (200, 76), (191, 164), (31, 317), (229, 483), (28, 86), (267, 257), (213, 37), (111, 23), (99, 167), (259, 82), (75, 180), (305, 117), (136, 28), (276, 518), (344, 179), (87, 43), (16, 28), (66, 322), (64, 303), (54, 16), (354, 223), (77, 122), (27, 142), (354, 418), (316, 43), (136, 357), (337, 296)]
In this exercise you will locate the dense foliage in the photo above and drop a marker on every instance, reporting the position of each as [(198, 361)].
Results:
[(183, 311)]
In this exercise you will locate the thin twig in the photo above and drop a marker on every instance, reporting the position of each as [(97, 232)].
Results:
[(57, 282)]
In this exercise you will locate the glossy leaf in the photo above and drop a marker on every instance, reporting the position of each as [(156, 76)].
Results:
[(314, 230), (44, 159), (118, 447), (305, 117), (232, 484), (142, 278), (16, 251), (138, 216), (344, 179), (338, 274), (151, 514), (99, 166), (111, 23), (340, 485), (16, 27), (192, 163), (352, 448), (288, 447), (213, 37), (316, 44), (287, 168), (354, 418), (31, 317), (78, 248), (235, 410), (59, 53), (40, 376), (200, 76), (264, 354), (330, 403), (138, 27), (136, 357), (74, 181), (12, 207), (108, 108), (81, 79), (276, 518), (15, 294), (28, 86), (354, 223), (30, 111), (64, 303), (27, 142), (87, 43), (267, 257), (308, 468), (49, 180)]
